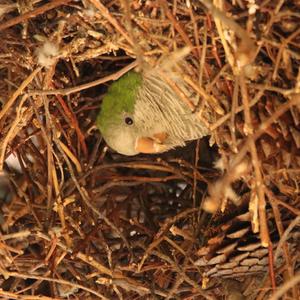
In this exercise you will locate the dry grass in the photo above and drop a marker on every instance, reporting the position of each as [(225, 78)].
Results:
[(83, 222)]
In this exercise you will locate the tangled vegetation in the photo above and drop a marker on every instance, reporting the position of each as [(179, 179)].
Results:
[(218, 218)]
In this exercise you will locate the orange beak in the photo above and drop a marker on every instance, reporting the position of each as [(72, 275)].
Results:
[(151, 145)]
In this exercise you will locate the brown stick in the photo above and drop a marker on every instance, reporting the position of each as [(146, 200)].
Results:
[(84, 86), (107, 15), (31, 14), (259, 183)]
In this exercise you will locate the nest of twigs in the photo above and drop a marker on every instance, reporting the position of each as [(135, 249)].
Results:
[(80, 221)]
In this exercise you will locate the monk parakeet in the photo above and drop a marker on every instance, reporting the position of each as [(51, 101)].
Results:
[(142, 114)]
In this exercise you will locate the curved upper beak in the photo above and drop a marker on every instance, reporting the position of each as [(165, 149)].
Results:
[(151, 145)]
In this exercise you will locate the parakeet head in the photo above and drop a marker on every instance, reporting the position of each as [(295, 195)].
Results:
[(116, 121)]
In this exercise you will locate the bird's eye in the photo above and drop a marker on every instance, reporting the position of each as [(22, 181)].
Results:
[(128, 121)]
